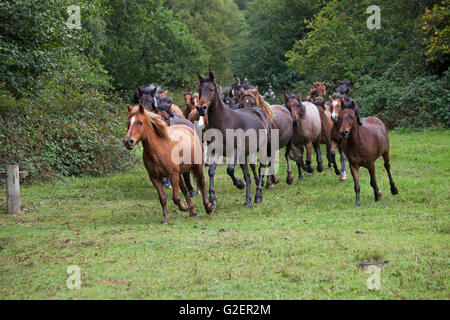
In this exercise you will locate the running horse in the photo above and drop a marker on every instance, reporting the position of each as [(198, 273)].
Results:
[(160, 143), (223, 119), (317, 92), (364, 140), (280, 119)]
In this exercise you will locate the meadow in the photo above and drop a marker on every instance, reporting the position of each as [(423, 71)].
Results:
[(305, 241)]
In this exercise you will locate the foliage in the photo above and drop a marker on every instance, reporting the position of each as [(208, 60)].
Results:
[(218, 24), (63, 131), (273, 28), (436, 31), (146, 44), (35, 41)]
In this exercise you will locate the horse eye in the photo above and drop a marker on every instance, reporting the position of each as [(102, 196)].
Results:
[(141, 123)]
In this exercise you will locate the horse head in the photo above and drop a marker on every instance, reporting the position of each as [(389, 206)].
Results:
[(208, 92), (295, 107), (336, 102), (136, 126)]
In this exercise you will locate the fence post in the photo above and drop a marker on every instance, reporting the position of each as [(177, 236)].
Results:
[(13, 189)]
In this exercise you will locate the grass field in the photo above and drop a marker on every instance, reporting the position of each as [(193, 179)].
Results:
[(300, 243)]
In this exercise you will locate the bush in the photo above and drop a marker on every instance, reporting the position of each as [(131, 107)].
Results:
[(63, 132), (422, 102)]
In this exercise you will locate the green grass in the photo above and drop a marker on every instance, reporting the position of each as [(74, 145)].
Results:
[(291, 246)]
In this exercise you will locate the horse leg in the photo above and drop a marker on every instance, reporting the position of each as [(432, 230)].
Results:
[(343, 160), (248, 197), (333, 157), (355, 174), (162, 198), (287, 154), (166, 183), (255, 175), (175, 180), (186, 194), (329, 155), (200, 179), (187, 180), (258, 195), (230, 171), (387, 166), (211, 173), (309, 167), (373, 181), (318, 155)]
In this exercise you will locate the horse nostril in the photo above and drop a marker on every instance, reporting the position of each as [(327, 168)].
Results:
[(131, 141)]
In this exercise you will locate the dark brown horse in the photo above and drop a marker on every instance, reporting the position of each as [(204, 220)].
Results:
[(159, 141), (280, 120), (223, 119), (363, 144)]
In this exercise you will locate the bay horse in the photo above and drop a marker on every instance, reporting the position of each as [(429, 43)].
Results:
[(318, 91), (159, 141), (280, 120), (307, 129), (363, 144), (223, 118)]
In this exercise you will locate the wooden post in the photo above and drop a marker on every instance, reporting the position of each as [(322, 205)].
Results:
[(13, 189)]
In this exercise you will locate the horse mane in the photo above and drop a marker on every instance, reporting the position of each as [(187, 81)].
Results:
[(260, 102), (154, 119)]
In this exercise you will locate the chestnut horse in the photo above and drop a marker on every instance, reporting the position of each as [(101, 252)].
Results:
[(363, 144), (318, 91), (280, 120), (223, 119), (307, 129), (159, 141)]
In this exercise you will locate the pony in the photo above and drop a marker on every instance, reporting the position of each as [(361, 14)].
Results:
[(307, 129), (280, 119), (336, 140), (223, 118), (159, 141), (318, 91), (363, 144)]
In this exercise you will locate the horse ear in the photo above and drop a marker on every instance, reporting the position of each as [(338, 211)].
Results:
[(211, 76), (286, 97), (242, 91), (257, 88), (331, 99), (199, 77), (141, 108), (154, 91), (341, 98), (129, 108), (299, 96)]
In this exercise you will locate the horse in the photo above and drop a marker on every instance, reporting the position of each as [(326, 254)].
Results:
[(307, 129), (280, 120), (159, 141), (318, 91), (223, 119), (336, 140), (363, 144)]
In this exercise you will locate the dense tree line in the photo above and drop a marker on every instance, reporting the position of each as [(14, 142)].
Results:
[(50, 71)]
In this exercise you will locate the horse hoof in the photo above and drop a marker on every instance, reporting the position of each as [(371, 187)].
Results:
[(394, 190), (248, 205), (329, 165), (290, 180), (343, 177), (275, 180), (213, 200), (309, 169), (209, 208), (337, 171), (240, 184), (358, 203), (269, 186), (165, 220), (320, 168), (258, 199), (193, 214), (380, 194), (300, 177), (184, 208)]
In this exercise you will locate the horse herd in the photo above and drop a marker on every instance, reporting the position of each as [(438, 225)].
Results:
[(301, 125)]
